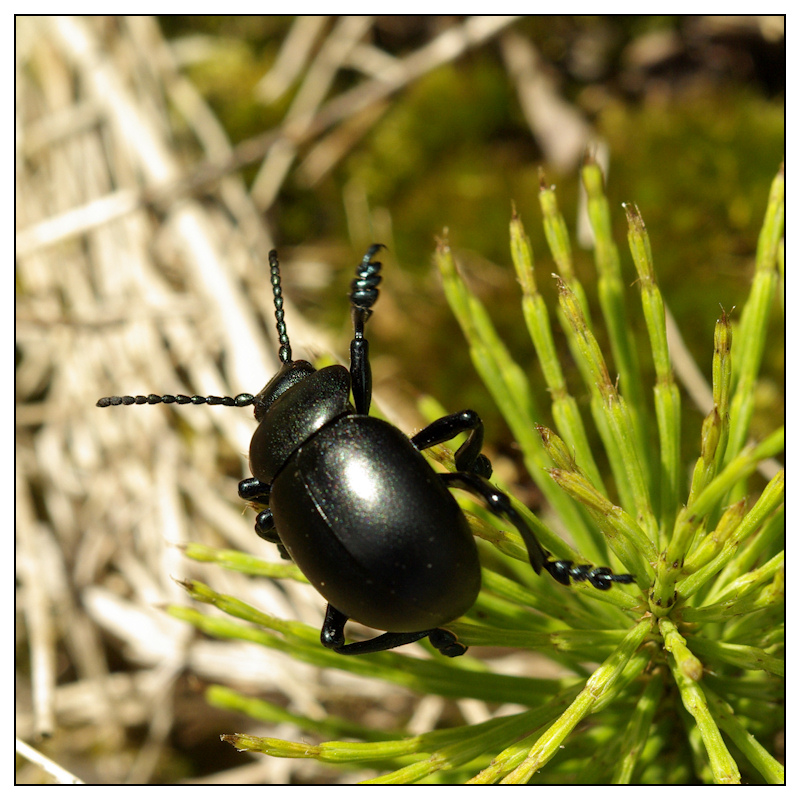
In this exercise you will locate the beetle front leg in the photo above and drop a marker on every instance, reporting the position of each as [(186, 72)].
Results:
[(468, 457), (332, 637), (257, 493), (254, 491)]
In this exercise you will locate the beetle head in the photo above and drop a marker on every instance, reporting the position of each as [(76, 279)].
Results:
[(290, 374)]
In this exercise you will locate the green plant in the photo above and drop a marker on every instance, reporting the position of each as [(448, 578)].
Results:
[(690, 675)]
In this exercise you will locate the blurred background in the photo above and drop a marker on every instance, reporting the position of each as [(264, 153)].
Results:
[(159, 159)]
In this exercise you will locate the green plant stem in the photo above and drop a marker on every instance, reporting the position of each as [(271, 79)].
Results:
[(557, 235), (425, 677), (638, 730), (237, 561), (738, 563), (729, 722), (753, 580), (329, 725), (613, 418), (748, 347), (625, 537), (769, 598), (674, 643), (670, 563), (667, 397), (716, 426), (723, 766), (770, 499), (738, 655), (564, 407), (709, 546), (476, 741), (611, 293), (601, 684), (721, 378)]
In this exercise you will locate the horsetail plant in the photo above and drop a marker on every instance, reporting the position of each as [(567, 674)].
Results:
[(678, 678)]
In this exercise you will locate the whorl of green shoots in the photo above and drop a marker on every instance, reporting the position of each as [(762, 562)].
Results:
[(659, 679)]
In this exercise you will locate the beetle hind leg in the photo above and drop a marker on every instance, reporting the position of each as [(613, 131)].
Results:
[(332, 637), (562, 571)]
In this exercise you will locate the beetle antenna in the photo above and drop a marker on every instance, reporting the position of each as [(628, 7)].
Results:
[(180, 399), (363, 294), (285, 351)]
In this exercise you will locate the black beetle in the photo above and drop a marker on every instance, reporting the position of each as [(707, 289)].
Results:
[(353, 502)]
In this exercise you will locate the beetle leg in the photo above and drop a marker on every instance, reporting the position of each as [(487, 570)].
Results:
[(332, 633), (468, 457), (265, 528), (255, 491), (446, 642), (561, 571), (332, 637), (500, 505)]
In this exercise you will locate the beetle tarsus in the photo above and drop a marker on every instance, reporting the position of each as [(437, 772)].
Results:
[(446, 643), (601, 578)]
